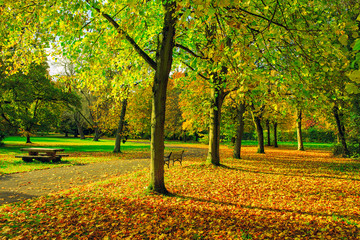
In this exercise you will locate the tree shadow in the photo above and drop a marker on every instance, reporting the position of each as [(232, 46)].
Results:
[(292, 174), (7, 197), (5, 177), (319, 214)]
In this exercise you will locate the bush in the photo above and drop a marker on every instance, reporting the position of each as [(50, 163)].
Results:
[(353, 148), (249, 136), (316, 135)]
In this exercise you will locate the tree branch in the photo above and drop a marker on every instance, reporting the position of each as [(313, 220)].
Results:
[(189, 51), (137, 48), (201, 75)]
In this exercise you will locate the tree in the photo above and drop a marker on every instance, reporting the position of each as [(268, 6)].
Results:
[(32, 101)]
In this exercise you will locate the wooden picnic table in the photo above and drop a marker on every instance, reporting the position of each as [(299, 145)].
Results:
[(42, 154)]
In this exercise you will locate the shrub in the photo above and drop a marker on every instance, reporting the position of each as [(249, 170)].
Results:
[(353, 148)]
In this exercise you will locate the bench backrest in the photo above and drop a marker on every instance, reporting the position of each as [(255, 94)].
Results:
[(177, 155)]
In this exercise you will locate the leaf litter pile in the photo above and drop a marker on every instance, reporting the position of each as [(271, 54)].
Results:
[(283, 194)]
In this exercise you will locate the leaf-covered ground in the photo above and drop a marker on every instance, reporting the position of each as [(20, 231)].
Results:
[(283, 194)]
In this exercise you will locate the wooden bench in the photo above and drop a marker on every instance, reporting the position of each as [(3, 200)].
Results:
[(174, 156), (42, 158), (42, 154)]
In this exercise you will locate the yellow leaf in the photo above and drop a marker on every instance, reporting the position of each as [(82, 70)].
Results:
[(343, 39)]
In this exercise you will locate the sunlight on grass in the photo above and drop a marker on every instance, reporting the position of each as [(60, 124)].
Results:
[(80, 151)]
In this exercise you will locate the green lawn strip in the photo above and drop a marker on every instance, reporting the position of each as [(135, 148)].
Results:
[(86, 148), (224, 202)]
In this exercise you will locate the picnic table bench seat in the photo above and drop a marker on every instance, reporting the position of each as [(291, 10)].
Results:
[(42, 158), (174, 156)]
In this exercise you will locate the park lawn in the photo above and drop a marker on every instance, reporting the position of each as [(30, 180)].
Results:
[(283, 194), (80, 152)]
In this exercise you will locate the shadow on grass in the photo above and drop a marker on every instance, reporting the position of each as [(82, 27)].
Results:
[(319, 214), (333, 167)]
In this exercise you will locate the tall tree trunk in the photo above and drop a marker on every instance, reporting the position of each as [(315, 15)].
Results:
[(268, 132), (260, 134), (214, 128), (119, 130), (275, 135), (66, 134), (77, 118), (239, 130), (97, 134), (28, 138), (80, 130), (298, 130), (341, 130), (163, 68)]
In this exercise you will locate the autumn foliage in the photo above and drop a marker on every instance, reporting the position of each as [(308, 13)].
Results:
[(283, 195)]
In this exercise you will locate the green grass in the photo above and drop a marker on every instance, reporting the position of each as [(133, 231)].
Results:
[(307, 145), (13, 144), (81, 152), (87, 151)]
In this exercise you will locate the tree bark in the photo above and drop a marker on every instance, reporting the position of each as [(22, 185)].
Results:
[(298, 130), (275, 135), (214, 128), (97, 134), (239, 131), (260, 134), (163, 68), (341, 130), (119, 131), (77, 118), (268, 132), (28, 138)]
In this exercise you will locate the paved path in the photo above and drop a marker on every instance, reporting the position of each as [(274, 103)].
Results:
[(19, 186)]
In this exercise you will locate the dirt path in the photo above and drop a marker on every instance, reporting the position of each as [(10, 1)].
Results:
[(19, 186)]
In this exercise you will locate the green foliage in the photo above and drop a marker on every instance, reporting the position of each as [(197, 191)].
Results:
[(32, 101), (353, 147), (316, 135)]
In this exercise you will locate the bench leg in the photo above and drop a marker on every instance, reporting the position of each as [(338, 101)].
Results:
[(56, 159), (26, 159)]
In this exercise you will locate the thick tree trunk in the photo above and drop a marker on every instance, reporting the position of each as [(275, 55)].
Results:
[(275, 135), (214, 128), (80, 130), (97, 134), (28, 138), (268, 132), (66, 134), (78, 125), (341, 131), (163, 68), (239, 131), (119, 130), (298, 130), (260, 134)]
